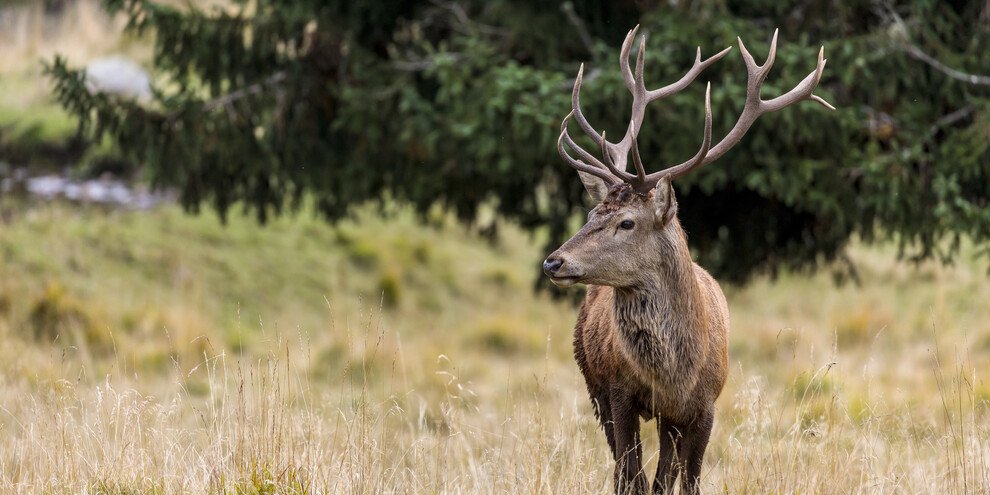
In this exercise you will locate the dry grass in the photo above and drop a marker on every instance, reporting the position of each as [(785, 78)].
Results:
[(263, 427), (464, 384), (156, 353)]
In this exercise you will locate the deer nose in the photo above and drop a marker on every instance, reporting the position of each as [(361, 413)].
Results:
[(552, 265)]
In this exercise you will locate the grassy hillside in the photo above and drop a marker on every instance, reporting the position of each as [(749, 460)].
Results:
[(161, 282), (159, 352)]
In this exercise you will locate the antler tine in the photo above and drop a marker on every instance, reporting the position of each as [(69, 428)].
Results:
[(771, 57), (642, 97), (699, 158), (627, 75), (616, 154), (576, 106), (640, 178), (640, 59), (632, 83), (688, 78), (598, 171), (621, 174), (803, 90), (755, 106), (582, 154)]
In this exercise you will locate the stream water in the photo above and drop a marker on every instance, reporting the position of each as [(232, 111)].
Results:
[(106, 190)]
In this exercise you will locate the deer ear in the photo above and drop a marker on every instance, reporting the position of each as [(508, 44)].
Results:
[(595, 186), (664, 202)]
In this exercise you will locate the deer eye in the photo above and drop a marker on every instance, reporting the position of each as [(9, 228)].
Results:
[(627, 225)]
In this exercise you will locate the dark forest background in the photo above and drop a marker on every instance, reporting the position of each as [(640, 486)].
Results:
[(267, 104)]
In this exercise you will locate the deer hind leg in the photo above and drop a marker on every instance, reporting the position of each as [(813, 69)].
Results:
[(629, 478), (692, 450)]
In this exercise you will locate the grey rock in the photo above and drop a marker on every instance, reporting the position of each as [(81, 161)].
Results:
[(120, 76)]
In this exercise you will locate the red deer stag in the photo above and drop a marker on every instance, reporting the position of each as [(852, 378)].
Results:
[(651, 337)]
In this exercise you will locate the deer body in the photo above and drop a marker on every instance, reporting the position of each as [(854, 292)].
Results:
[(653, 343), (652, 335), (675, 367)]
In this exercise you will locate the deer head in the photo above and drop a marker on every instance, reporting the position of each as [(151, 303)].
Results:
[(634, 225)]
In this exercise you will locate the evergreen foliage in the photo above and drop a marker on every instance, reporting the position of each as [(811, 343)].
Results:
[(265, 102)]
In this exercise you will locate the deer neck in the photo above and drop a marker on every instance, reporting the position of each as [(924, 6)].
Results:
[(658, 320), (669, 290)]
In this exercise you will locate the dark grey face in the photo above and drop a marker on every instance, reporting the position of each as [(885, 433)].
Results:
[(619, 243)]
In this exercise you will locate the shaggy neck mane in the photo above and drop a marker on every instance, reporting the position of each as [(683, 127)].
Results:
[(669, 298), (655, 319)]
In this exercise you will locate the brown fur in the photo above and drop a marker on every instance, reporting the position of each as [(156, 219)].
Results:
[(652, 335)]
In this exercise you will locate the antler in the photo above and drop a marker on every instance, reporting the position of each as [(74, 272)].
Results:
[(615, 154)]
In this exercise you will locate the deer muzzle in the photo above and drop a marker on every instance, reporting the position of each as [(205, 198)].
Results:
[(560, 273)]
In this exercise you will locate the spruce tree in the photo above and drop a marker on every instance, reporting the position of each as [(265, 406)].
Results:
[(266, 103)]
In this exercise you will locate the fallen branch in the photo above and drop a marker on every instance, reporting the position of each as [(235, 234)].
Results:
[(422, 64), (253, 89), (916, 53), (568, 9), (569, 84), (952, 118), (887, 11)]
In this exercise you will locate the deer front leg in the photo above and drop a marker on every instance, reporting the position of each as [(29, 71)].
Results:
[(629, 478), (668, 464), (603, 410), (693, 447)]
